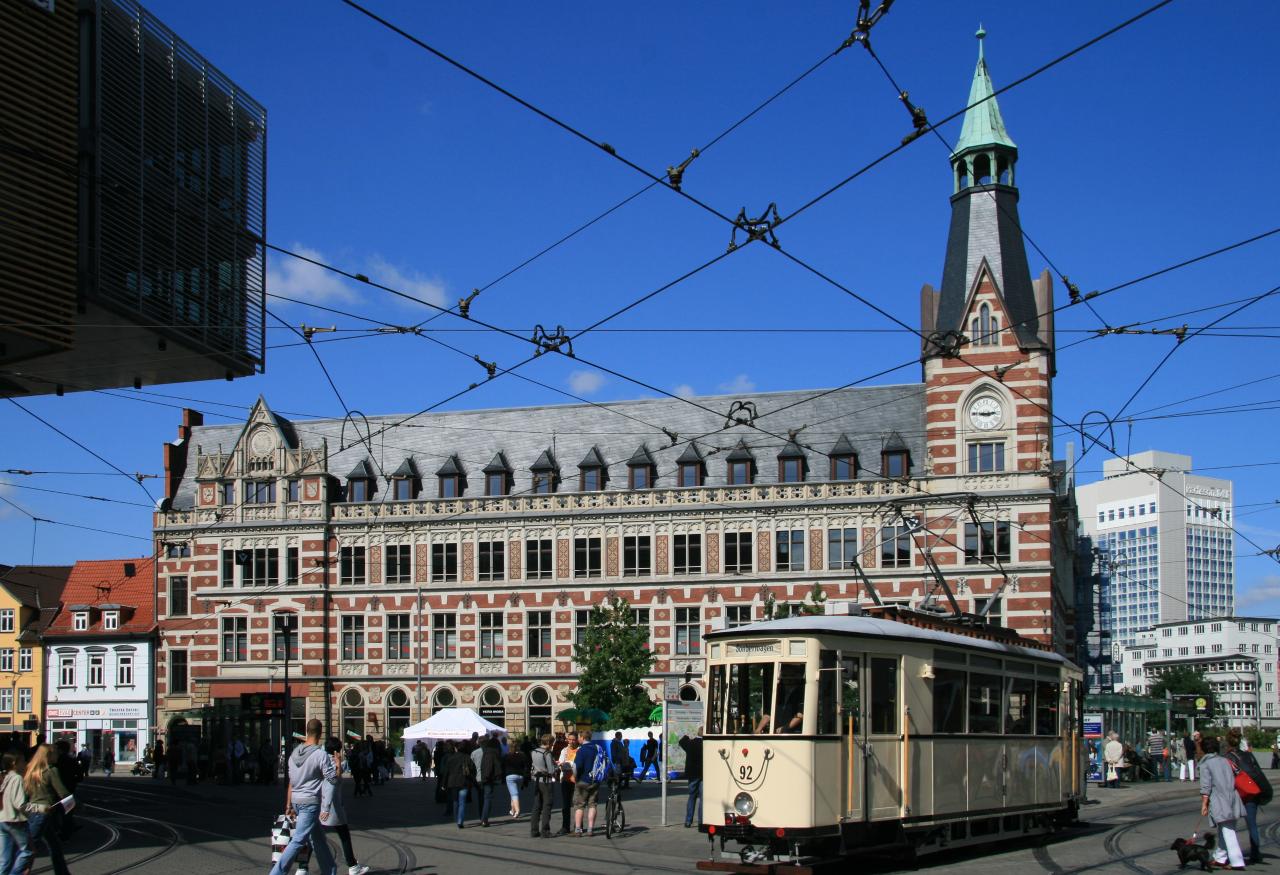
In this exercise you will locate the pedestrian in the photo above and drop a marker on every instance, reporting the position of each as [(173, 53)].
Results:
[(1188, 772), (542, 772), (692, 748), (309, 768), (649, 757), (515, 771), (565, 764), (590, 769), (108, 761), (1244, 761), (84, 760), (490, 776), (421, 758), (1156, 751), (440, 759), (45, 792), (621, 759), (157, 760), (1113, 756), (333, 813), (17, 853), (1275, 753), (1220, 802), (457, 776), (69, 771)]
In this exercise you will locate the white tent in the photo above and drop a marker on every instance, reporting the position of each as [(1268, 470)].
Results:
[(457, 724)]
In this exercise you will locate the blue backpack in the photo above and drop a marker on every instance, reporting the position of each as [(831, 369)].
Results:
[(599, 768)]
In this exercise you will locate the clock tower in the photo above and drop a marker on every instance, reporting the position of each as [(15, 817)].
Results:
[(988, 348)]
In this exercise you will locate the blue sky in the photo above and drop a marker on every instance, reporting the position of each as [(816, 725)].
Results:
[(1149, 148)]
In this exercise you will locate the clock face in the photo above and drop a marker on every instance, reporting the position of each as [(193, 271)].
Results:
[(986, 413), (262, 442)]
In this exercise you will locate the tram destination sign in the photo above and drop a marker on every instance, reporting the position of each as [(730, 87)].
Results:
[(1192, 705), (747, 648)]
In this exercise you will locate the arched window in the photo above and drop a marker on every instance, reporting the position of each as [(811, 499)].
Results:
[(986, 327), (441, 699), (353, 713), (538, 702), (491, 708), (398, 716), (689, 693)]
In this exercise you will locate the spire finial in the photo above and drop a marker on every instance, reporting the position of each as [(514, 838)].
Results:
[(981, 35)]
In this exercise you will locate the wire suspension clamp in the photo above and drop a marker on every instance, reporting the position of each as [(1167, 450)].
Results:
[(675, 175), (759, 228), (464, 304), (558, 342), (741, 413), (491, 367), (866, 20), (919, 121)]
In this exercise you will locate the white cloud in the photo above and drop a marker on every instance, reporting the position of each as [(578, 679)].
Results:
[(585, 382), (684, 390), (1265, 590), (295, 278), (410, 282), (740, 383)]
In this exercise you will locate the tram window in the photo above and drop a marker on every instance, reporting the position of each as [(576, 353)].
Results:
[(948, 700), (828, 704), (715, 708), (1017, 711), (1046, 708), (851, 694), (750, 685), (984, 703), (789, 702), (884, 696)]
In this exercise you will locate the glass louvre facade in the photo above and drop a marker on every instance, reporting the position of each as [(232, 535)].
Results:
[(175, 188), (1210, 572), (1130, 579)]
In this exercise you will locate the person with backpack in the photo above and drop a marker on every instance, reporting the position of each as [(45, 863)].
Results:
[(543, 773), (332, 811), (590, 770), (309, 768), (1244, 762), (17, 853), (457, 772)]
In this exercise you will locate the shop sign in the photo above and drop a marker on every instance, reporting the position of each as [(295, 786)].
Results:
[(101, 712)]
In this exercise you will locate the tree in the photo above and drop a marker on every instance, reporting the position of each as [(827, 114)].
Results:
[(1181, 679), (815, 602), (614, 658)]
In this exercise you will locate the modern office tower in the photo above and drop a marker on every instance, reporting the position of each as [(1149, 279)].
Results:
[(1161, 541)]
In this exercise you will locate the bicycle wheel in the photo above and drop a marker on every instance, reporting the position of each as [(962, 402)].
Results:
[(610, 811)]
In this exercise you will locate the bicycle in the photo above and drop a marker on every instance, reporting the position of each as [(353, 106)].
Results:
[(615, 815)]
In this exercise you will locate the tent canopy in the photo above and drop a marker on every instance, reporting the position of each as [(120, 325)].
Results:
[(452, 723)]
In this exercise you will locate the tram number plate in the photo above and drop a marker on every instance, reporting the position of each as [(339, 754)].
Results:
[(745, 772)]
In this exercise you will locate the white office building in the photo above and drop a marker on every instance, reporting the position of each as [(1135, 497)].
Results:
[(1236, 654), (1161, 542)]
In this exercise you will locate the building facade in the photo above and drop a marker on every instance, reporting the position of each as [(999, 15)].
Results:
[(29, 599), (1237, 655), (98, 659), (1161, 541), (453, 559)]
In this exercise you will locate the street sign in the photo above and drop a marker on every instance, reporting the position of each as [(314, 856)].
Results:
[(671, 689)]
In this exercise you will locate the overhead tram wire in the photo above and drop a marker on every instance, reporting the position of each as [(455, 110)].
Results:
[(12, 485), (39, 519), (821, 196)]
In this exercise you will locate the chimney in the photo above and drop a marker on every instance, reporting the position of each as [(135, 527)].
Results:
[(175, 453)]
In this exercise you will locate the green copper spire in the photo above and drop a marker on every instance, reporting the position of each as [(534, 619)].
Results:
[(983, 124)]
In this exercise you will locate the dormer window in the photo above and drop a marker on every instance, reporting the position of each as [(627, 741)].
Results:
[(546, 474), (110, 619), (80, 621), (691, 467), (844, 460), (451, 479), (592, 472), (740, 464), (260, 492), (497, 476), (360, 482), (405, 481), (641, 468), (895, 463), (791, 464)]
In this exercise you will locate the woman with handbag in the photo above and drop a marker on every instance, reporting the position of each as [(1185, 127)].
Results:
[(1220, 802), (1245, 765), (45, 792)]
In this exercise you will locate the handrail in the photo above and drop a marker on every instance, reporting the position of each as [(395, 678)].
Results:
[(906, 761)]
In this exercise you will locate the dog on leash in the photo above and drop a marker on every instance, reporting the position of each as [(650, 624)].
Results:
[(1189, 851)]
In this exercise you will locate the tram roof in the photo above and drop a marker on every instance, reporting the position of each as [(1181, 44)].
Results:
[(873, 627)]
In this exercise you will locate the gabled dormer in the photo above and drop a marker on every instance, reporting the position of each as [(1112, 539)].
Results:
[(497, 475), (361, 483), (793, 464), (546, 473), (451, 478), (895, 458), (740, 466), (691, 466), (642, 469), (844, 459), (593, 473)]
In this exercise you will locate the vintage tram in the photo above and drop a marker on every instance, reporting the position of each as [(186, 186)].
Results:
[(887, 732)]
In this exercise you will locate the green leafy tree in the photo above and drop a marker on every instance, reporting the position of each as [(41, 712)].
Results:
[(1183, 680), (614, 657), (814, 603)]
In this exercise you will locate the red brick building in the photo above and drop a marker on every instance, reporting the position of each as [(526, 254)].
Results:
[(452, 560)]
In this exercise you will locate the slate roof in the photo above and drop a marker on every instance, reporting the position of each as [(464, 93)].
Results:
[(100, 583), (39, 587), (514, 438)]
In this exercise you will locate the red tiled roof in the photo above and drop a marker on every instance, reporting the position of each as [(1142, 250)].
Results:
[(104, 582)]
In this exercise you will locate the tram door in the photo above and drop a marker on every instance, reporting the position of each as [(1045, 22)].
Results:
[(853, 738), (882, 705)]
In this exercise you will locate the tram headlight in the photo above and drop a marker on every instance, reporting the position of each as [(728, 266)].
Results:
[(744, 804)]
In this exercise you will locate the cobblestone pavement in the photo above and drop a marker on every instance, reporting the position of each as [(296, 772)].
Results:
[(148, 827)]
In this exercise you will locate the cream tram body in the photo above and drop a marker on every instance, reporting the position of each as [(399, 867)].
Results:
[(830, 734)]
